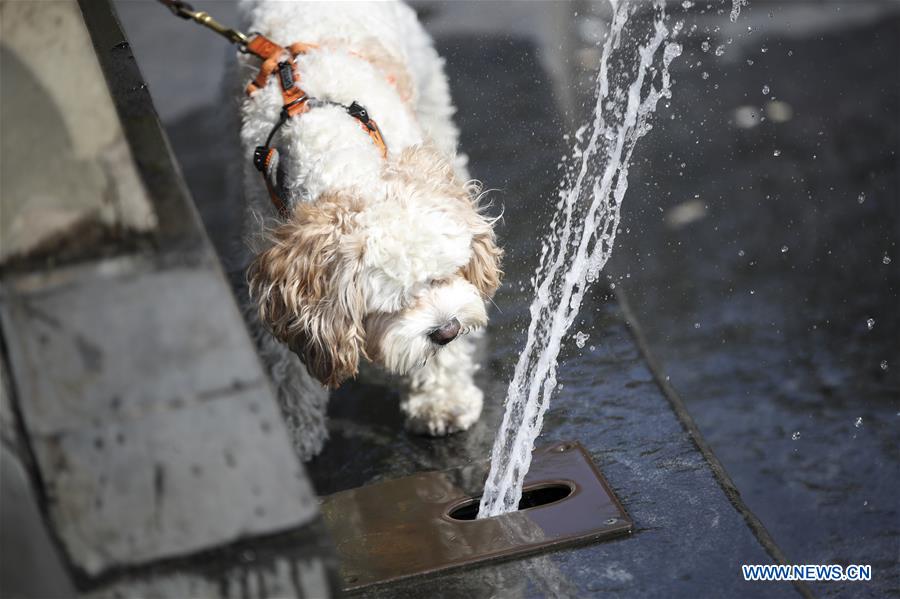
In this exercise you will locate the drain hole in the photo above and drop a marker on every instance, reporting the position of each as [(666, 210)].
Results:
[(531, 497)]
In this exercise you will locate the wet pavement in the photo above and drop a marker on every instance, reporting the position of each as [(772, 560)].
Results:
[(760, 342), (761, 257)]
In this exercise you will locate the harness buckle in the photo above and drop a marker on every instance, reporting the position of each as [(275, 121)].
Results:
[(261, 158), (286, 109), (286, 74), (359, 112)]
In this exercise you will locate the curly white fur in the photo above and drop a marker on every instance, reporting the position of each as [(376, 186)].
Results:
[(376, 254)]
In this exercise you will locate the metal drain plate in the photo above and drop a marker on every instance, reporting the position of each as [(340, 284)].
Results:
[(401, 528)]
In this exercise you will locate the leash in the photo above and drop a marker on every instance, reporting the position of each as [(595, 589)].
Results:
[(278, 62)]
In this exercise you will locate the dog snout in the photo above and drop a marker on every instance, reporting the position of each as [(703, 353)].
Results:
[(446, 333)]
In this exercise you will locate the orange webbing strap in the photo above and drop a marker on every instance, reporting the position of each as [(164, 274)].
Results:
[(302, 48), (294, 102), (375, 133), (263, 48), (276, 58), (265, 71), (277, 202)]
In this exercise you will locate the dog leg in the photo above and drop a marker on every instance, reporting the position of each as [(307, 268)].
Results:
[(441, 397)]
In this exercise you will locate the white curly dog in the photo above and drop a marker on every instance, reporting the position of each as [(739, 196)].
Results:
[(379, 253)]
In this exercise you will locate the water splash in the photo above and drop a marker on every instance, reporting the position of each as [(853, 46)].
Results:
[(580, 339), (736, 9), (633, 76)]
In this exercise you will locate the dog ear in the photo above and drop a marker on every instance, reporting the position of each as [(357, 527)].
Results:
[(483, 270), (305, 288)]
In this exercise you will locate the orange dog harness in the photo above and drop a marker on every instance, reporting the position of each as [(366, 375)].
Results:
[(295, 102), (280, 63)]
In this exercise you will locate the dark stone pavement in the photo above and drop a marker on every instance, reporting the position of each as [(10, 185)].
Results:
[(758, 309)]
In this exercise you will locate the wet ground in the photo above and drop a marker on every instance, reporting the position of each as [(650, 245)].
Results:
[(753, 252), (761, 258)]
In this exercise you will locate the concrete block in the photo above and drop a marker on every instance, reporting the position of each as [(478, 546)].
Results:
[(153, 425), (173, 481), (304, 578), (126, 340)]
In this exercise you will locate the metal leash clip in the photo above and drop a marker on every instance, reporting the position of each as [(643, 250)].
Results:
[(186, 11)]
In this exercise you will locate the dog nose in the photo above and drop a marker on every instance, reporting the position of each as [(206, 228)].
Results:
[(446, 333)]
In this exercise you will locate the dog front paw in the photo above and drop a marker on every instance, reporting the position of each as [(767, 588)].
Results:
[(442, 413)]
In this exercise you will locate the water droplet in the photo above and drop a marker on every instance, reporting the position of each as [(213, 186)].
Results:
[(865, 503), (870, 323), (790, 52), (763, 49), (741, 253), (720, 50), (766, 90), (776, 153), (886, 259), (858, 422), (687, 4), (861, 197), (796, 435), (784, 249), (704, 46), (705, 75), (750, 62), (884, 365), (580, 338), (696, 325)]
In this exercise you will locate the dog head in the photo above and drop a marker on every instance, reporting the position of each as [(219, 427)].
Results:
[(391, 276)]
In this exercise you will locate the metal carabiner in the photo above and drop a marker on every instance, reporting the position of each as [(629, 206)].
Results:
[(184, 10)]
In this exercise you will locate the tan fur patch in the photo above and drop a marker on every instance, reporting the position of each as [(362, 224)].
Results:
[(304, 288), (391, 66)]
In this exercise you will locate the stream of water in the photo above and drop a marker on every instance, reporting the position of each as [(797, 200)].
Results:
[(632, 78)]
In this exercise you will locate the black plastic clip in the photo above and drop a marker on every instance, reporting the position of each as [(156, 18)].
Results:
[(286, 73), (259, 158), (359, 112)]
